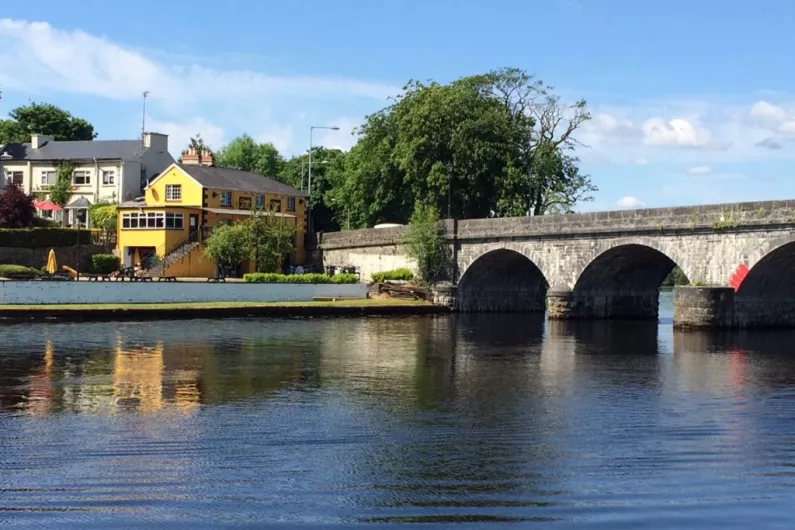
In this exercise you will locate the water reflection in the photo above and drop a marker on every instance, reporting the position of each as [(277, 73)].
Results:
[(487, 419)]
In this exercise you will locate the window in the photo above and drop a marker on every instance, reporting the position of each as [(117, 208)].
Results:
[(47, 178), (173, 192), (81, 177), (290, 204), (174, 221), (108, 177), (15, 177), (276, 205), (260, 202), (226, 198), (152, 220)]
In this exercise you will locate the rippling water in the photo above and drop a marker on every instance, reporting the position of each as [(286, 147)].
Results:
[(480, 421)]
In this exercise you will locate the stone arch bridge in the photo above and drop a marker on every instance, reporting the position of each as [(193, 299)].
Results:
[(607, 264)]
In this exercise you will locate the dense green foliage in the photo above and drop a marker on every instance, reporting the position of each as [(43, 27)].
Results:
[(270, 241), (228, 245), (395, 275), (61, 191), (104, 263), (16, 208), (103, 215), (43, 118), (426, 244), (18, 272), (43, 237), (264, 277), (675, 277), (246, 154)]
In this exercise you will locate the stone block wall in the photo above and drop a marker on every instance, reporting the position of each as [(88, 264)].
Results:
[(37, 257)]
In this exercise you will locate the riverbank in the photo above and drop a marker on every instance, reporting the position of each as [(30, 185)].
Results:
[(110, 312)]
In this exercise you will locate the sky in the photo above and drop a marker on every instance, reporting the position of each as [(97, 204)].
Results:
[(693, 102)]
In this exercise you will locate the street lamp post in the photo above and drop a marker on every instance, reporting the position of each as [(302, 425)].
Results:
[(309, 183)]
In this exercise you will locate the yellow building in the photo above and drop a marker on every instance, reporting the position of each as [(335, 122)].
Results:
[(165, 232)]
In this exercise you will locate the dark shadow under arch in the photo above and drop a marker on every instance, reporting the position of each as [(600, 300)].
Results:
[(767, 294), (502, 281), (622, 282)]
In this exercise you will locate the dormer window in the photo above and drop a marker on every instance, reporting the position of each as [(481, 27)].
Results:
[(173, 192)]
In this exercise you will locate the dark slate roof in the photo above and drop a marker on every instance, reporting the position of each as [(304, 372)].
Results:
[(225, 178), (79, 150)]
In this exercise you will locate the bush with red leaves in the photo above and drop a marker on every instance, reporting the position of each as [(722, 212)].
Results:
[(16, 208)]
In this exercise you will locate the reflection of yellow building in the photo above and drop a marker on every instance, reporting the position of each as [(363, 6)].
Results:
[(138, 379), (40, 390), (184, 203)]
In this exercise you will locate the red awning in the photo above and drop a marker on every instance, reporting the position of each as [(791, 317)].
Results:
[(46, 205)]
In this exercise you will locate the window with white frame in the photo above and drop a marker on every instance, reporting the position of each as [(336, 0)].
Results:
[(290, 204), (173, 192), (226, 198), (81, 177), (152, 220), (47, 178), (260, 202), (108, 177)]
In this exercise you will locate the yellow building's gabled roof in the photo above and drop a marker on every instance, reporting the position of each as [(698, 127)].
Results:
[(224, 178)]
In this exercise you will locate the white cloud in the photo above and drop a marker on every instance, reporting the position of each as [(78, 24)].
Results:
[(768, 114), (699, 170), (630, 202), (179, 133), (641, 161), (342, 139), (676, 132), (36, 56)]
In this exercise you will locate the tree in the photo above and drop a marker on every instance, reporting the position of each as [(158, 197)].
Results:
[(327, 177), (103, 215), (496, 144), (229, 245), (246, 154), (426, 244), (43, 118), (61, 191), (271, 240), (16, 208)]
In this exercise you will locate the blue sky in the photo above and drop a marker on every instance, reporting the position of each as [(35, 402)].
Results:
[(692, 101)]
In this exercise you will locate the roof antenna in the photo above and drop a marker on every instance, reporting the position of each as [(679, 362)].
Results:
[(143, 119)]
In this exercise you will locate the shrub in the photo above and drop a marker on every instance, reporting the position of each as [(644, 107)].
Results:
[(18, 272), (395, 275), (103, 215), (425, 242), (266, 277), (104, 263), (41, 222), (42, 237), (16, 208)]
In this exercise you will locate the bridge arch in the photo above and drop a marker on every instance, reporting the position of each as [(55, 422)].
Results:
[(771, 275), (502, 280), (622, 281)]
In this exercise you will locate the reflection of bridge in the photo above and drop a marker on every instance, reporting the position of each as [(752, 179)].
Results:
[(609, 264)]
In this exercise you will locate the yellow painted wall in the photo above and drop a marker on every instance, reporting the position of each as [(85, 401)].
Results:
[(196, 265), (191, 190)]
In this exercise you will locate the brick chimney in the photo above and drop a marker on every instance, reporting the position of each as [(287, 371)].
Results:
[(38, 140), (190, 157)]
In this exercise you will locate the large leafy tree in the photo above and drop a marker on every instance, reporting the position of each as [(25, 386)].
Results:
[(271, 240), (328, 167), (496, 144), (43, 118), (246, 154)]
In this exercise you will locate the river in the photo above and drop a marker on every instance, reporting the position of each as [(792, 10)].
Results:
[(483, 421)]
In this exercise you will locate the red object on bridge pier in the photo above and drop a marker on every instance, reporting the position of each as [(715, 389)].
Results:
[(738, 276)]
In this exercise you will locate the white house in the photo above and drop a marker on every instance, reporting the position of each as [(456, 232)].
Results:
[(105, 170)]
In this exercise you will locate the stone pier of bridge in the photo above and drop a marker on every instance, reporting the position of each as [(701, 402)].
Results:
[(607, 265)]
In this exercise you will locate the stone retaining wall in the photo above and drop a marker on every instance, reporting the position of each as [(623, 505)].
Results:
[(37, 257)]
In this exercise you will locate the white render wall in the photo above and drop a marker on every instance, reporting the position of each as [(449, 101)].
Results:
[(37, 292)]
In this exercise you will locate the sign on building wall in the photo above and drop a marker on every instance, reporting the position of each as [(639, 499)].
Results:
[(244, 203)]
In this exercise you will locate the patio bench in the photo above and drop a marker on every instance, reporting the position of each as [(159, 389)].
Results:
[(216, 279), (167, 278)]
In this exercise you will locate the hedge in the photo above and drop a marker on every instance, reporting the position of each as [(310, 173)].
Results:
[(104, 263), (42, 237), (18, 272), (395, 275), (264, 277)]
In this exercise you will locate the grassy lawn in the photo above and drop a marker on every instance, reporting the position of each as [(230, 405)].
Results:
[(212, 305)]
